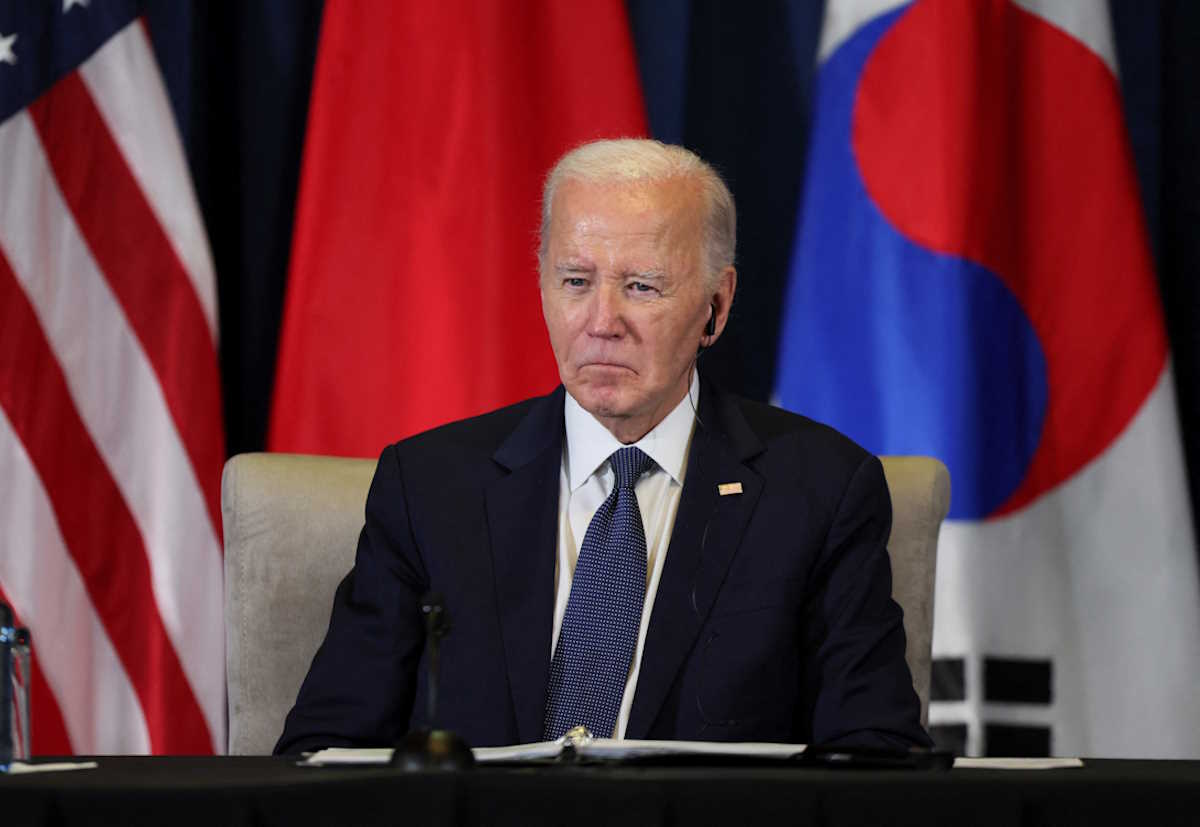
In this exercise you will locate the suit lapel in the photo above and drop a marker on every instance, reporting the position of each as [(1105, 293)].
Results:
[(708, 530), (522, 512)]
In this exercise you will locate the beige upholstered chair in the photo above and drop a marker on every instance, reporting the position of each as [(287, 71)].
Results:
[(920, 489), (291, 525)]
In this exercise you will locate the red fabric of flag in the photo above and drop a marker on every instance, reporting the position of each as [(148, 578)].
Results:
[(412, 298)]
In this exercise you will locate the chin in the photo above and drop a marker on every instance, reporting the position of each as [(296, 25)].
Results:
[(601, 405), (602, 402)]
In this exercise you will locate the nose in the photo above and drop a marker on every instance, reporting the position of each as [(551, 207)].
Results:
[(604, 319)]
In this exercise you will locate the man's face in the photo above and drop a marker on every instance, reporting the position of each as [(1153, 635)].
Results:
[(624, 298)]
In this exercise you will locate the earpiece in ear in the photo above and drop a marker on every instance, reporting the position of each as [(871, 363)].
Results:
[(710, 328)]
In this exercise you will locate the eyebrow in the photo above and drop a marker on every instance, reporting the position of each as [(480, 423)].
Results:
[(646, 275), (573, 265)]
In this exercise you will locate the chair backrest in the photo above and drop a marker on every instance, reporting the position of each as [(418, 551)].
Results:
[(291, 526), (920, 489)]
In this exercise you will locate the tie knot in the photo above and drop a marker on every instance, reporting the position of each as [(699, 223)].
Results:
[(629, 464)]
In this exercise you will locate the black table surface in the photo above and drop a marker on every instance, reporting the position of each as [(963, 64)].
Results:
[(268, 791)]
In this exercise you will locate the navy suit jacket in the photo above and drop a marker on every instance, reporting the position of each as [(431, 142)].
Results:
[(773, 619)]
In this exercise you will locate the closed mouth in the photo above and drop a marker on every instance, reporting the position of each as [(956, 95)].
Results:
[(613, 365)]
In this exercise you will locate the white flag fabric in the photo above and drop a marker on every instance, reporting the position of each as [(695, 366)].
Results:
[(972, 280), (111, 442)]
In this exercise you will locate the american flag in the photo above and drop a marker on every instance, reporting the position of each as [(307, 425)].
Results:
[(110, 419)]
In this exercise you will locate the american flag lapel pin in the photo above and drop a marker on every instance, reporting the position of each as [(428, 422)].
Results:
[(725, 489)]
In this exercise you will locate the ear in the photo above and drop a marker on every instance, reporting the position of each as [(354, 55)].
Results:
[(720, 300)]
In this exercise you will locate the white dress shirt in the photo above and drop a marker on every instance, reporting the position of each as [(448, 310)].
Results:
[(586, 480)]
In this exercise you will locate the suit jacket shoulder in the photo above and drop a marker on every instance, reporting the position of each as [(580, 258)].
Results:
[(775, 426), (483, 435)]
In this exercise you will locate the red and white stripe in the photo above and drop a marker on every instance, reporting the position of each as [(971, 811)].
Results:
[(111, 436)]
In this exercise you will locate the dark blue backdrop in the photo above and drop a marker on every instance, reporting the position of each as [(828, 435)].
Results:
[(731, 81)]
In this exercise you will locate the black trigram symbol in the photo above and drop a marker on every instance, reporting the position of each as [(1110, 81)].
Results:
[(1004, 681)]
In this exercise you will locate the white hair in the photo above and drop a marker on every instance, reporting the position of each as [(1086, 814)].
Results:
[(641, 159)]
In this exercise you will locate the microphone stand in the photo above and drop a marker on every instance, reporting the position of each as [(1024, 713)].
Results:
[(433, 749)]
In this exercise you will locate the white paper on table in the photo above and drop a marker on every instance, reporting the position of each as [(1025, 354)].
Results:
[(518, 752), (1016, 763), (604, 749), (348, 756), (612, 749), (21, 768)]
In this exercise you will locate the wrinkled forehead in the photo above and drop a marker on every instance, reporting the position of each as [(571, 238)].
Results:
[(668, 210)]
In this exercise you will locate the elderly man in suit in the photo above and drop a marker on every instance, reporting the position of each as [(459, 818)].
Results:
[(637, 552)]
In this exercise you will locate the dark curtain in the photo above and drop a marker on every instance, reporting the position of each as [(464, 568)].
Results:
[(239, 76)]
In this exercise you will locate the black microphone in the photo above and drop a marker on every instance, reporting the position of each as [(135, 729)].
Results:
[(433, 748), (437, 625)]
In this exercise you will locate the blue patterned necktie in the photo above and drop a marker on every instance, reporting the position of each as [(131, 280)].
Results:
[(600, 628)]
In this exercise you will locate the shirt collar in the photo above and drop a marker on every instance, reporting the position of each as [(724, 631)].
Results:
[(589, 444)]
